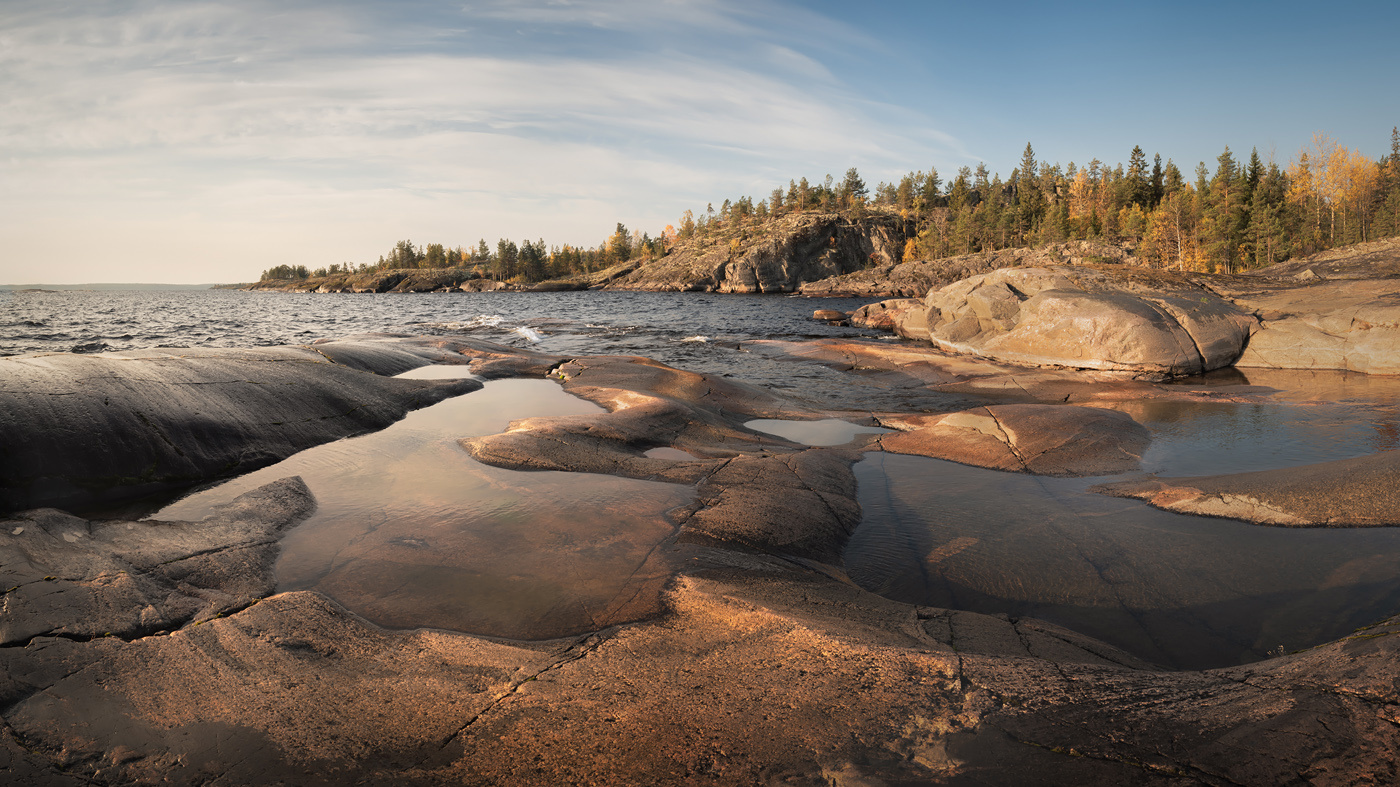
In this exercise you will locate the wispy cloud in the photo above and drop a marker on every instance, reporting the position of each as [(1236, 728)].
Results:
[(511, 118)]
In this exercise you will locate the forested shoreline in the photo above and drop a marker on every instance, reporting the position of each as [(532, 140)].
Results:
[(1245, 213)]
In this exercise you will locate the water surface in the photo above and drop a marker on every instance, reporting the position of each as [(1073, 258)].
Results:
[(411, 531), (1182, 591)]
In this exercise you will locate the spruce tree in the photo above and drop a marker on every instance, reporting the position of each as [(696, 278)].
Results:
[(1136, 182), (1158, 182)]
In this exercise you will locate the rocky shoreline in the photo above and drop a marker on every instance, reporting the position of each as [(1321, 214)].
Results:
[(147, 651)]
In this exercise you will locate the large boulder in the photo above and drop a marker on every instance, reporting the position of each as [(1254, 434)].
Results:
[(885, 314), (1088, 319)]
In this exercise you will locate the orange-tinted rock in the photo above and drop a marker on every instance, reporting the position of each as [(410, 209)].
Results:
[(1087, 319), (1058, 440), (1364, 491)]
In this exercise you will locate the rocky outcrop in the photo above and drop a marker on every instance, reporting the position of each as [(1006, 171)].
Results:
[(1350, 324), (1087, 319), (156, 651), (85, 429), (72, 578), (395, 280), (1360, 492), (916, 278), (1374, 260), (1025, 438), (775, 257), (899, 377), (757, 671), (885, 315)]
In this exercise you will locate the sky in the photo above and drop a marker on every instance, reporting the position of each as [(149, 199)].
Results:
[(198, 142)]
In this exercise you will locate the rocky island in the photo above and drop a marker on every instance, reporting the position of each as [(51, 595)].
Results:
[(737, 649)]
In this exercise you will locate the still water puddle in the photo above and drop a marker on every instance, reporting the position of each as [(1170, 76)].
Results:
[(1183, 591), (826, 432), (410, 531), (1214, 438)]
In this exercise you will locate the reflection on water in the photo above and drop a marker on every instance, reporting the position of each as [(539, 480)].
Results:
[(1212, 438), (1189, 592), (410, 531), (829, 431)]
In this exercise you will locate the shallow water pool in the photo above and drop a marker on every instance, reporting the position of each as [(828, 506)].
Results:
[(411, 531)]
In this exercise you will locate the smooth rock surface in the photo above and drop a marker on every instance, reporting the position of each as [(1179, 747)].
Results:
[(754, 676), (883, 315), (1057, 440), (1351, 324), (1360, 492), (86, 429), (764, 665), (1088, 319)]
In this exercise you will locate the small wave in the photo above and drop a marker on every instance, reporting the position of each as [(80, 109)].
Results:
[(530, 334), (696, 339), (479, 321), (90, 347)]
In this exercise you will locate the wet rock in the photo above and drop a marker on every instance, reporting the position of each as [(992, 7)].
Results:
[(763, 663), (892, 377), (1359, 492), (1087, 319), (68, 577), (1027, 438), (828, 315), (81, 429), (800, 503), (388, 354)]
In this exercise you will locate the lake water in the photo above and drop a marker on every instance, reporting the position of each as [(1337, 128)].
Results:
[(412, 532)]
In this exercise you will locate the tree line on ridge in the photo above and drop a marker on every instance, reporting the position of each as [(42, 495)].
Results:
[(1243, 214)]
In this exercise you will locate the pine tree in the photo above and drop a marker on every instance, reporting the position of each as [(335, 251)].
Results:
[(853, 191), (930, 188)]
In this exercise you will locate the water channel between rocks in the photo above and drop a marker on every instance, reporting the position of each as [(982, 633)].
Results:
[(411, 531), (1183, 591)]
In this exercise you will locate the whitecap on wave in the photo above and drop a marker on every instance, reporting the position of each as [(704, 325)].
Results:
[(530, 334), (479, 321), (696, 339)]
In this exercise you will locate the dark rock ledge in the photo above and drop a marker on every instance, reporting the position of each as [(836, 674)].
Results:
[(765, 665)]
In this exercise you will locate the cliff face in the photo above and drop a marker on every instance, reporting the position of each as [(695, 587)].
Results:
[(778, 257), (915, 279)]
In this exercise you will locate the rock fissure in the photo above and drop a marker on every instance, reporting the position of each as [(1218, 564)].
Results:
[(581, 649)]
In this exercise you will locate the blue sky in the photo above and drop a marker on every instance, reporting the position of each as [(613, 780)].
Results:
[(152, 140)]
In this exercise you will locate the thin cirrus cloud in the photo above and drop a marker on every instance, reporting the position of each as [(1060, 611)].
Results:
[(315, 133)]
